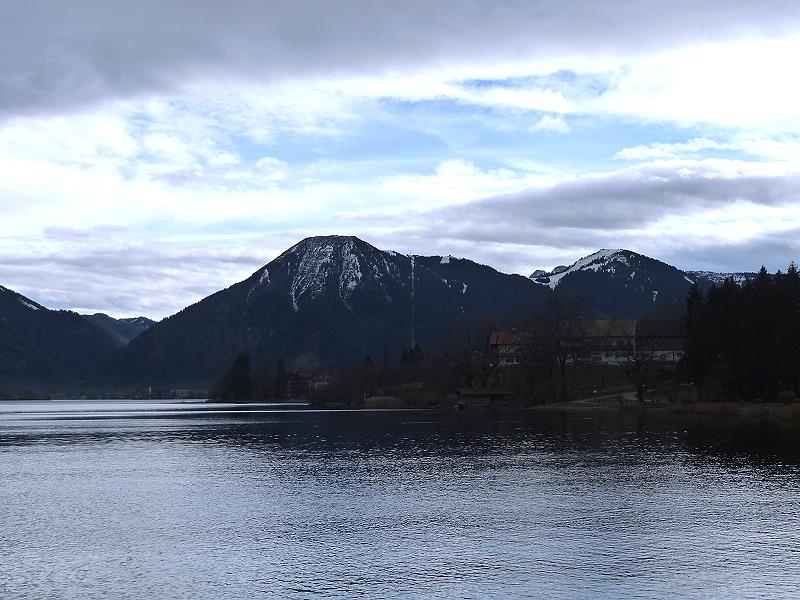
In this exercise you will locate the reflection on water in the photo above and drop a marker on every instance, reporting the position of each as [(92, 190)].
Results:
[(188, 500)]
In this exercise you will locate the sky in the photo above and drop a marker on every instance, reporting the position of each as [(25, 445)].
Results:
[(154, 152)]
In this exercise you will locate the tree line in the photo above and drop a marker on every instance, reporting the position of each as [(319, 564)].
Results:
[(744, 340), (552, 369), (240, 383), (743, 343)]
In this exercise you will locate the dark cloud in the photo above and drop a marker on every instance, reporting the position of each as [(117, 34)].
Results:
[(598, 206), (55, 54), (774, 251), (518, 232)]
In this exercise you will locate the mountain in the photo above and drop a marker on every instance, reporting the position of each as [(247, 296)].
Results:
[(122, 331), (43, 349), (326, 301), (705, 279), (620, 283)]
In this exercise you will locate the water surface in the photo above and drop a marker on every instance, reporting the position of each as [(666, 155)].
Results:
[(134, 500)]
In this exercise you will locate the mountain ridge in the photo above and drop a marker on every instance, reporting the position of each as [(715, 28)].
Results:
[(46, 349), (123, 330), (327, 301), (622, 282), (333, 300)]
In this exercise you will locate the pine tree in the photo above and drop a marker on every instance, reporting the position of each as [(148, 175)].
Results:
[(279, 387), (237, 384), (695, 352)]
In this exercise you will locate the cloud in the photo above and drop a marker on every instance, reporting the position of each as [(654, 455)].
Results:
[(125, 277), (57, 54), (551, 123), (785, 149), (668, 151), (736, 83), (662, 209), (772, 249), (180, 145), (631, 197), (457, 181)]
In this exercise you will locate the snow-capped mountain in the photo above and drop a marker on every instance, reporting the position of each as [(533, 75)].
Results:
[(324, 302), (620, 283), (327, 301), (602, 260), (705, 279)]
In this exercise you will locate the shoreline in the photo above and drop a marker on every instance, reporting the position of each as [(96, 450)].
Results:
[(723, 410)]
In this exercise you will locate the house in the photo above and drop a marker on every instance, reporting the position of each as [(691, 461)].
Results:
[(509, 347), (609, 341), (604, 341), (298, 385), (661, 339)]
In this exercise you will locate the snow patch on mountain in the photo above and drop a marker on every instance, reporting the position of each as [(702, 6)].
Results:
[(309, 274), (385, 268), (719, 278), (346, 262), (600, 260), (264, 277), (142, 322), (351, 271), (28, 304)]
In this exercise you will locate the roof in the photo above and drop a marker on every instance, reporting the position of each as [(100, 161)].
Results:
[(662, 334), (661, 328), (582, 328), (514, 337), (597, 328)]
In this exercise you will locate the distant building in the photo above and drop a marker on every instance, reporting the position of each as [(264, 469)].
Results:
[(509, 347), (665, 339), (609, 341), (298, 385), (604, 341), (187, 394)]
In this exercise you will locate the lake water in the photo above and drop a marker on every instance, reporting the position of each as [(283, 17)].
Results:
[(144, 500)]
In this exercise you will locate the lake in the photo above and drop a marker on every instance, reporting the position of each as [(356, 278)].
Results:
[(188, 500)]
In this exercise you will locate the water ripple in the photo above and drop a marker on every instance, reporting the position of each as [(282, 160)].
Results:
[(302, 504)]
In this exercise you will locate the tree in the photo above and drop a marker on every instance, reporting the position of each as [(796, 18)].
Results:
[(468, 354), (564, 319), (742, 340), (279, 387), (237, 384), (636, 370), (695, 354)]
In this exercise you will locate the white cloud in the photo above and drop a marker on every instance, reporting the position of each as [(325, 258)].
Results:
[(668, 151), (271, 115), (551, 123), (783, 154), (737, 83), (458, 181), (272, 169)]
